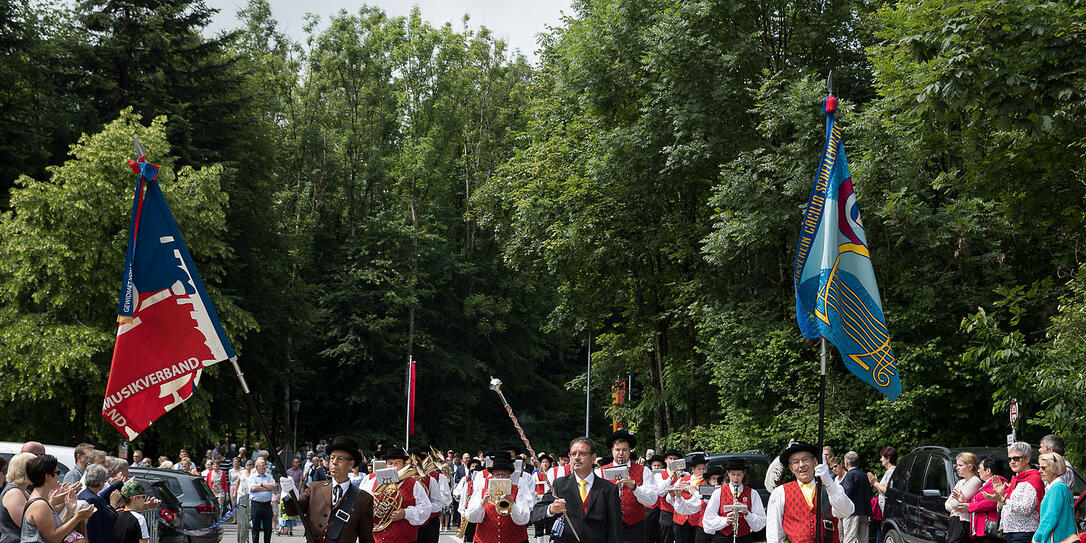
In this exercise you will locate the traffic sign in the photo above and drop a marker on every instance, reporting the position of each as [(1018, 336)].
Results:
[(1014, 411)]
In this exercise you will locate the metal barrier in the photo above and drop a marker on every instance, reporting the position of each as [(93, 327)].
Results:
[(151, 516)]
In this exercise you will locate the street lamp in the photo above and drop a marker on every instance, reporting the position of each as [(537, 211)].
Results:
[(296, 404)]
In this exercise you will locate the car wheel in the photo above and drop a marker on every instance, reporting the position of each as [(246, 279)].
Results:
[(891, 536)]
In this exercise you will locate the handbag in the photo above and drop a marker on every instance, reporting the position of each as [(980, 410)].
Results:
[(991, 528), (876, 513)]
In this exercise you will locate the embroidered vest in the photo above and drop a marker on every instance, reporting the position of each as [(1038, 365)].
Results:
[(497, 528), (632, 510), (798, 518), (664, 506), (726, 498), (435, 477), (400, 531), (541, 484)]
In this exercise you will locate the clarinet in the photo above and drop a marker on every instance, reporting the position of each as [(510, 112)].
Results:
[(735, 514)]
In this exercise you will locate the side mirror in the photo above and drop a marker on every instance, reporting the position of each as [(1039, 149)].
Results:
[(932, 493)]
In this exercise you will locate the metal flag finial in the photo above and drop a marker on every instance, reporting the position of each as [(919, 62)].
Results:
[(495, 384), (139, 147), (829, 83)]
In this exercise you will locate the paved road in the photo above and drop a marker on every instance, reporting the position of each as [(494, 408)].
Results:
[(230, 535)]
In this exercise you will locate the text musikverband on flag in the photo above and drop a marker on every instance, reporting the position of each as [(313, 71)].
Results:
[(168, 330), (837, 296)]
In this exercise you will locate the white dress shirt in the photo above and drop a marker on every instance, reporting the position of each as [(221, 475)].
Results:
[(520, 513), (417, 514), (440, 493), (342, 488), (712, 522), (840, 507), (646, 492)]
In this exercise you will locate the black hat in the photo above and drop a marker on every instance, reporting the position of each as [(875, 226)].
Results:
[(502, 463), (796, 447), (673, 452), (564, 454), (473, 463), (695, 460), (499, 454), (545, 456), (419, 450), (622, 435), (656, 458), (393, 452), (715, 470), (734, 463), (346, 444)]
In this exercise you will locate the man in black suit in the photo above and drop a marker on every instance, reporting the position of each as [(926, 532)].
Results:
[(591, 504)]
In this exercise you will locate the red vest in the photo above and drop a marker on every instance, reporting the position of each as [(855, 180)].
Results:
[(726, 498), (497, 528), (540, 483), (560, 471), (632, 510), (436, 477), (798, 519), (400, 531), (664, 506), (695, 519)]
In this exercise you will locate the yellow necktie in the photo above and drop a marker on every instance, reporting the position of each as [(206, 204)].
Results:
[(808, 492), (584, 489)]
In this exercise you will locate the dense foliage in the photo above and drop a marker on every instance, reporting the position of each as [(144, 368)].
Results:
[(392, 190)]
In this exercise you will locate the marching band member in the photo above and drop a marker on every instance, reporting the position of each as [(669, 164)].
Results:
[(437, 489), (652, 514), (790, 514), (468, 488), (637, 489), (402, 523), (733, 527), (501, 519), (665, 480), (542, 487), (687, 502), (561, 469)]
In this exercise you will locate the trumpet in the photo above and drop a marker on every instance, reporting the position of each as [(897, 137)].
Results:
[(502, 503)]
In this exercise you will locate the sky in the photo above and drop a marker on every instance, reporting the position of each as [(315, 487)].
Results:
[(516, 22)]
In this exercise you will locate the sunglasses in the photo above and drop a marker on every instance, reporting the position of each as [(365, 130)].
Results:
[(1015, 458)]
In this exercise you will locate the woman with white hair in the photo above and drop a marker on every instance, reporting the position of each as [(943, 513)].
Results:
[(1020, 501), (1057, 517), (13, 497)]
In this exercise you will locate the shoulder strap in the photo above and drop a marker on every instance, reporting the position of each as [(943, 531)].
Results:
[(30, 501), (342, 514)]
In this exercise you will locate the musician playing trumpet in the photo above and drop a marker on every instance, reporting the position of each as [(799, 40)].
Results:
[(686, 500), (500, 517), (401, 507), (732, 524)]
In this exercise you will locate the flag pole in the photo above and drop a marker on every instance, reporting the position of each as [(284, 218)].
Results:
[(820, 535), (310, 534), (410, 394)]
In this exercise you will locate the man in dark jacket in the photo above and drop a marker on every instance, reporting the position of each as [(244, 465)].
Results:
[(589, 505), (858, 489)]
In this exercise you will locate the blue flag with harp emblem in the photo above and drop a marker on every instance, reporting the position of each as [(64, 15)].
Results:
[(836, 294)]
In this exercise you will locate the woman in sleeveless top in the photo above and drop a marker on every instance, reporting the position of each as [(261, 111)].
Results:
[(14, 498), (41, 523)]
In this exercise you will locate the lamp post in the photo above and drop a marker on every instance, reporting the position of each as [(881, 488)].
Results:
[(297, 405)]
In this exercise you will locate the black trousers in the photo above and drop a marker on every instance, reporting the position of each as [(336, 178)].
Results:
[(543, 527), (633, 533), (469, 534), (667, 527), (429, 532), (652, 525), (686, 533), (261, 515), (721, 538), (455, 523)]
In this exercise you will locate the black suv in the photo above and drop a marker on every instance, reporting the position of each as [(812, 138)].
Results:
[(199, 508), (757, 465), (921, 483)]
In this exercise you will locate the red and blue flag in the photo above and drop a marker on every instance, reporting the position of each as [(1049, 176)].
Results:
[(168, 330)]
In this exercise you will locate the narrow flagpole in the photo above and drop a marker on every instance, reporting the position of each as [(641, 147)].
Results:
[(410, 400), (820, 536), (310, 534)]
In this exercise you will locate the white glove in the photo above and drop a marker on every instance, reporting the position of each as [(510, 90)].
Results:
[(822, 471), (289, 490)]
